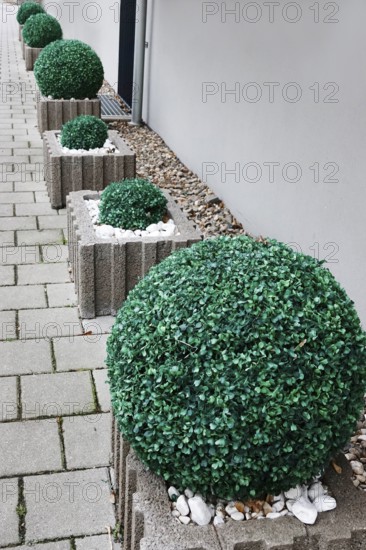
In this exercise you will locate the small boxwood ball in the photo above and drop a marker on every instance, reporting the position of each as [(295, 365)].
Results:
[(68, 69), (237, 368), (27, 9), (41, 29), (132, 204), (84, 132)]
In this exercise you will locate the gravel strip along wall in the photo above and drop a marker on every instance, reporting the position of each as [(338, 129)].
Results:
[(105, 270), (53, 113), (144, 513), (65, 172), (31, 54)]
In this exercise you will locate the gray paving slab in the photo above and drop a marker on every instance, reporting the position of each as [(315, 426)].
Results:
[(8, 399), (6, 237), (44, 236), (52, 222), (87, 441), (99, 325), (68, 503), (31, 185), (35, 209), (100, 379), (25, 357), (56, 394), (60, 295), (7, 326), (55, 253), (5, 184), (83, 352), (20, 297), (42, 274), (16, 197), (49, 323), (41, 196), (27, 254), (59, 545), (13, 223), (9, 520), (29, 447), (6, 210), (7, 275), (101, 542)]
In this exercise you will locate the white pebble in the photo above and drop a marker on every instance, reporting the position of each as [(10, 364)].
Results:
[(105, 231), (152, 227), (305, 511), (273, 515), (315, 491), (175, 514), (200, 512), (357, 467), (289, 504), (294, 493), (185, 520), (218, 520), (230, 509), (278, 506), (237, 516), (182, 505), (188, 492), (173, 492), (325, 503)]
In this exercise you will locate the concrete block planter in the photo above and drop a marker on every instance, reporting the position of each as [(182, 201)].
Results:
[(65, 172), (20, 28), (143, 511), (31, 54), (105, 270), (53, 113)]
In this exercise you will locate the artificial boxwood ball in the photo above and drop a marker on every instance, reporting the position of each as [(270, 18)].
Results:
[(26, 10), (237, 368), (132, 204), (68, 69), (41, 29), (84, 132)]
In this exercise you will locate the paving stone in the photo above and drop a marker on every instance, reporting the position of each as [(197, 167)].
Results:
[(87, 440), (7, 326), (101, 542), (44, 236), (99, 325), (25, 357), (27, 254), (43, 273), (55, 253), (49, 323), (56, 394), (16, 197), (13, 223), (29, 447), (35, 209), (9, 520), (8, 400), (59, 545), (68, 503), (83, 352), (20, 297), (41, 196), (6, 237), (61, 295), (6, 185), (100, 378), (52, 222), (7, 275), (6, 210), (31, 185)]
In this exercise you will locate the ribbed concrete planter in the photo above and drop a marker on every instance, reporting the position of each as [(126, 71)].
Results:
[(65, 173), (53, 113), (20, 28), (22, 45), (143, 511), (31, 54), (105, 270)]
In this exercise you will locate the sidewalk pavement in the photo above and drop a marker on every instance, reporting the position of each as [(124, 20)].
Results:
[(55, 486)]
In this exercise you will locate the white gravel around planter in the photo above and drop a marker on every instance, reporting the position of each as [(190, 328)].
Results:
[(355, 452), (108, 148), (303, 502), (159, 229)]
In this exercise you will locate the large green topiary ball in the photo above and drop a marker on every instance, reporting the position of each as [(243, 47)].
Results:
[(41, 29), (26, 10), (237, 368), (84, 132), (68, 69), (132, 204)]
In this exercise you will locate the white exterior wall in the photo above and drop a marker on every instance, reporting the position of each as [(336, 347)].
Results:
[(231, 132), (96, 23)]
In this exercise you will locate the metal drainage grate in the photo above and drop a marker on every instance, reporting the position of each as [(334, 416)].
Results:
[(112, 110)]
